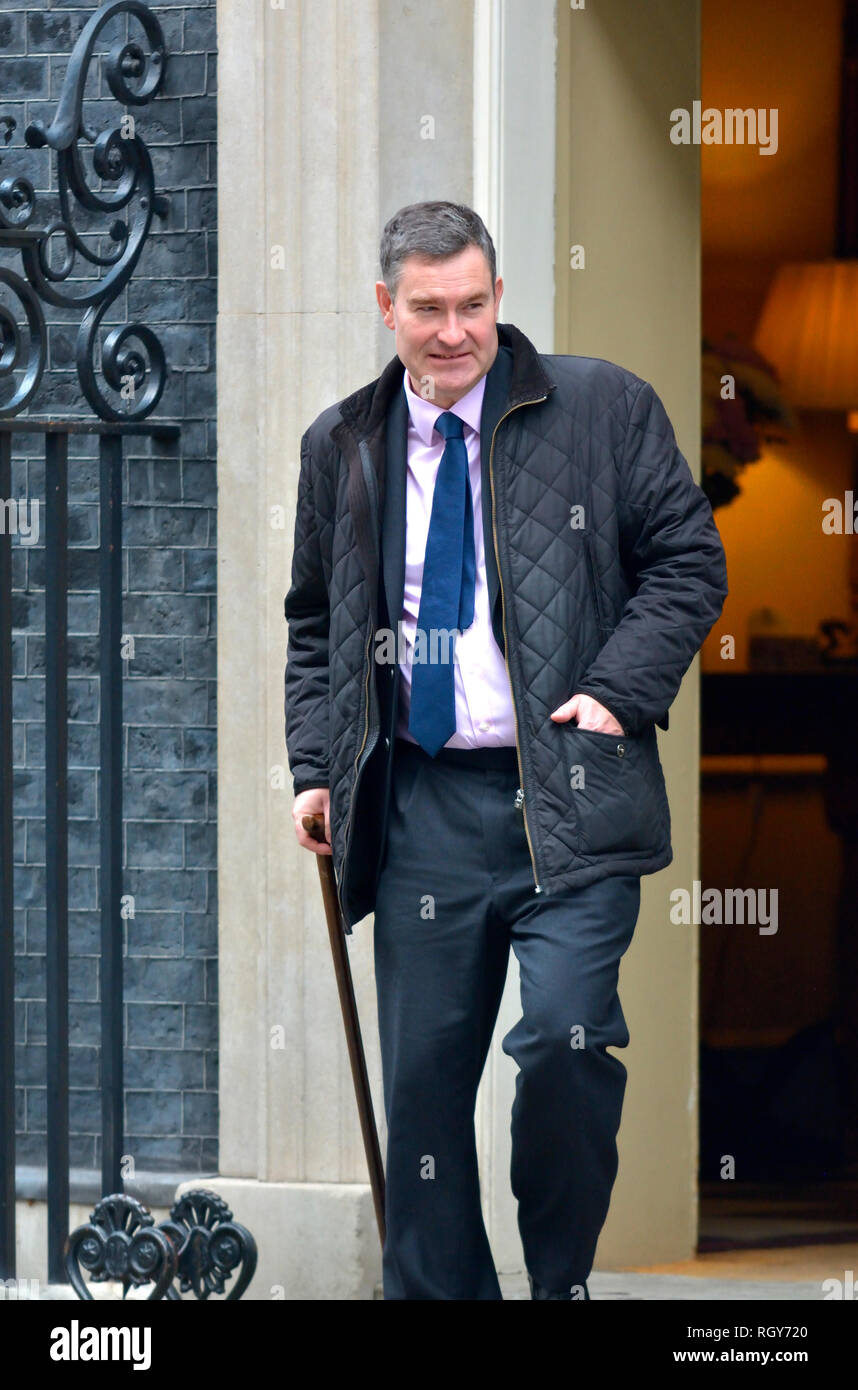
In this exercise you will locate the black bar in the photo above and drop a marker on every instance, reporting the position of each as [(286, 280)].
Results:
[(56, 846), (110, 732), (7, 921)]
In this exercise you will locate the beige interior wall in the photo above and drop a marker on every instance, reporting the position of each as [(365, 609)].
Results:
[(631, 198)]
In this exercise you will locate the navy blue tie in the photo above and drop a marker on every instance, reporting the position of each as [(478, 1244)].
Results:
[(447, 592)]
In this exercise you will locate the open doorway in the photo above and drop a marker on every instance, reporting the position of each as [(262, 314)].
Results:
[(779, 785)]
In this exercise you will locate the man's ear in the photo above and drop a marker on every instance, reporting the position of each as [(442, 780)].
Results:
[(498, 293), (385, 303)]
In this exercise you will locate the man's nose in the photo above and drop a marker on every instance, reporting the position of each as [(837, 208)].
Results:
[(452, 332)]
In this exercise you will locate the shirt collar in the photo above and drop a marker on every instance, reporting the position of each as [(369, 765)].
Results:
[(424, 413)]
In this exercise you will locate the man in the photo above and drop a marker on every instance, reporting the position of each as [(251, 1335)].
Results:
[(502, 569)]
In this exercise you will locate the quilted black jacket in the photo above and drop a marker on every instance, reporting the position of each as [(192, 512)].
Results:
[(606, 570)]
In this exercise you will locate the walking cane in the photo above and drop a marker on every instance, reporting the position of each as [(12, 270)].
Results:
[(315, 827)]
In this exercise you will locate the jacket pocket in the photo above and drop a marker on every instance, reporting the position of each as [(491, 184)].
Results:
[(618, 791)]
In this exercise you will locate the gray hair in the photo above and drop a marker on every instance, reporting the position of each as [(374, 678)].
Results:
[(435, 230)]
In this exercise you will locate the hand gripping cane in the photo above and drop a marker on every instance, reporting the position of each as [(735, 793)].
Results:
[(315, 827)]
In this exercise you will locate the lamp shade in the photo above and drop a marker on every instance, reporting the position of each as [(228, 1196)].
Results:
[(808, 330)]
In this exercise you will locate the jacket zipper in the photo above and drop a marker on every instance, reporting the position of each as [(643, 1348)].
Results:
[(369, 479), (520, 796), (358, 765)]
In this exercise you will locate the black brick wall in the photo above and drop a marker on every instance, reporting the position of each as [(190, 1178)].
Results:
[(169, 517)]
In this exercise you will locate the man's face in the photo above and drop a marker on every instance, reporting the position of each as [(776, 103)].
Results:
[(444, 317)]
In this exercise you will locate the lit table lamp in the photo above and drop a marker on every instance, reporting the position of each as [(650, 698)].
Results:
[(808, 330)]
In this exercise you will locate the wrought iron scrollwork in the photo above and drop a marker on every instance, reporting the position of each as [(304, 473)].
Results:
[(121, 160), (210, 1245), (15, 353), (200, 1246), (121, 1242)]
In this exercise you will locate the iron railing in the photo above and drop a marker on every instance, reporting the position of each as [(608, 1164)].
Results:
[(200, 1246)]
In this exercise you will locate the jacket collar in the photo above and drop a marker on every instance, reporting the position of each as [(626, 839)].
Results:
[(365, 409)]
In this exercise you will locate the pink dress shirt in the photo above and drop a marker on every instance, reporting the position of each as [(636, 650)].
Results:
[(484, 709)]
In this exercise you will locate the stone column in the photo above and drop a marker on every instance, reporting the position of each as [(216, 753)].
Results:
[(631, 199), (298, 231)]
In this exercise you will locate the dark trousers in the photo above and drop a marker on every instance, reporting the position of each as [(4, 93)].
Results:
[(456, 889)]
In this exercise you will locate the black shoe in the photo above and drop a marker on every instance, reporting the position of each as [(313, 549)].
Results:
[(537, 1291)]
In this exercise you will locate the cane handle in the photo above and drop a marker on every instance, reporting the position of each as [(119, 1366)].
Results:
[(314, 824)]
